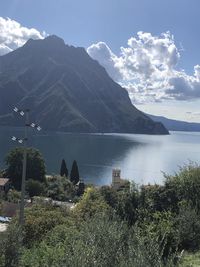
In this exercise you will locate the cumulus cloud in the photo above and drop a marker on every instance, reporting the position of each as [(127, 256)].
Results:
[(103, 54), (147, 67), (13, 35), (183, 86)]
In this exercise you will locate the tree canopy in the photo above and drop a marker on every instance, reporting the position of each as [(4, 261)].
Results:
[(34, 188), (35, 166), (74, 175), (63, 169)]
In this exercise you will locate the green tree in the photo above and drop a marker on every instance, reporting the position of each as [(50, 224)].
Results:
[(39, 221), (110, 195), (60, 188), (158, 198), (34, 188), (35, 166), (188, 228), (160, 226), (127, 206), (185, 186), (74, 175), (81, 188), (63, 169), (91, 203)]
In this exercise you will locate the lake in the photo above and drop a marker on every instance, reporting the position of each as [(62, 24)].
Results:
[(141, 158)]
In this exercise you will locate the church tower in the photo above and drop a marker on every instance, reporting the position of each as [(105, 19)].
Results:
[(116, 178)]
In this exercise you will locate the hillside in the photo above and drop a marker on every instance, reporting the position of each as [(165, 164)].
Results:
[(66, 90), (175, 125)]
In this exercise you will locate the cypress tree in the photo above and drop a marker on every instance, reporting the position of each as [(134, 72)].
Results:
[(74, 175), (81, 188), (63, 169)]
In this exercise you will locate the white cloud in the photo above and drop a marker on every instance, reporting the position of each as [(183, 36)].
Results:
[(183, 86), (147, 67), (197, 72), (13, 35), (103, 54)]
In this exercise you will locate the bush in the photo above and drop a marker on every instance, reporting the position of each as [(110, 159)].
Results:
[(161, 227), (110, 195), (13, 196), (145, 249), (186, 185), (91, 203), (158, 198), (127, 205), (11, 246), (188, 228), (39, 221), (60, 188), (124, 202), (99, 241), (34, 188)]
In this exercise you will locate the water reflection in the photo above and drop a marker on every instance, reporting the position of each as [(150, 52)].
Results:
[(142, 158)]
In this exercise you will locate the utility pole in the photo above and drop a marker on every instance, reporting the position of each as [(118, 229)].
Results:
[(24, 141), (21, 212)]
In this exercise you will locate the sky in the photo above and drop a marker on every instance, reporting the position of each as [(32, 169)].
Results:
[(150, 47)]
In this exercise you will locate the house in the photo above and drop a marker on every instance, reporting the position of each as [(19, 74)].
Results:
[(4, 185)]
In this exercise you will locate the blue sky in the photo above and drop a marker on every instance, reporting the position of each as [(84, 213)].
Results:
[(83, 23)]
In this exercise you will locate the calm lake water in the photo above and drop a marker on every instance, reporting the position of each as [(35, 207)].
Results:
[(142, 158)]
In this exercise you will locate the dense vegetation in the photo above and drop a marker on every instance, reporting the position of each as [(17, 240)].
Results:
[(135, 226), (35, 166), (58, 187)]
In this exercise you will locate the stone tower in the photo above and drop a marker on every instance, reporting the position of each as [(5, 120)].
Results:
[(116, 178)]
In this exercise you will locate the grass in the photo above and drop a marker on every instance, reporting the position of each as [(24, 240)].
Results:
[(191, 260)]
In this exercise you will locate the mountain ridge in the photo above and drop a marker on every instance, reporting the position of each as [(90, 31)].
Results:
[(176, 125), (67, 91)]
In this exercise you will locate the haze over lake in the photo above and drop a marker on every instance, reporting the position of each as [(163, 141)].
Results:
[(142, 158)]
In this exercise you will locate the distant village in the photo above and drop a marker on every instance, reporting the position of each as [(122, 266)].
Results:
[(10, 209)]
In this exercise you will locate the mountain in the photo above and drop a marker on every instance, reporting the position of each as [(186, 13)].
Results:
[(66, 90), (175, 125)]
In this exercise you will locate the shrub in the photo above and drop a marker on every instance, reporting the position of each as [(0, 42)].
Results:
[(91, 203), (99, 241), (39, 220), (186, 185), (60, 188), (34, 188), (13, 196), (188, 228), (11, 246)]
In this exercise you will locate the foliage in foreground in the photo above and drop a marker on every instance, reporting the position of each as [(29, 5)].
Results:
[(147, 226), (190, 260), (10, 246), (100, 241), (56, 238)]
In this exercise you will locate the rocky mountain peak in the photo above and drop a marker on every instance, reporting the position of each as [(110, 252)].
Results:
[(67, 91)]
